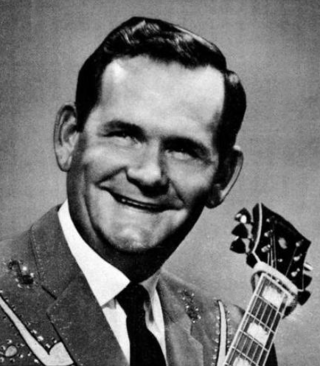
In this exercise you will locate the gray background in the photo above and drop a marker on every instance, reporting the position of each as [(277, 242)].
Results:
[(273, 45)]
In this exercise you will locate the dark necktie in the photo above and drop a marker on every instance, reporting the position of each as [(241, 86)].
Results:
[(144, 347)]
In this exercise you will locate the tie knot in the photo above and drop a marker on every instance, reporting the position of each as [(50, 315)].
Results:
[(132, 298)]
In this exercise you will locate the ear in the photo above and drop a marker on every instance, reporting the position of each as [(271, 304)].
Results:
[(65, 136), (228, 175)]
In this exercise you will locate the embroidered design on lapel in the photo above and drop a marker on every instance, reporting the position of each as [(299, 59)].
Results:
[(57, 355), (8, 351), (191, 309), (23, 274)]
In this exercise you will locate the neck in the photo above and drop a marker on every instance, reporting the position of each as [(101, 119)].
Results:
[(137, 266)]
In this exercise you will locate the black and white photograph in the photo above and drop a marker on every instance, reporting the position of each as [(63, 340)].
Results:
[(159, 182)]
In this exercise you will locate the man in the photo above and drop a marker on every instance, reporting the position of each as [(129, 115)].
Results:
[(148, 144)]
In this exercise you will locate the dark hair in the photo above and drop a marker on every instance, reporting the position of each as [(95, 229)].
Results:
[(162, 42)]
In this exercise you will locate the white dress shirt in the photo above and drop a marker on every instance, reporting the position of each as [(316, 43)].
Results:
[(106, 282)]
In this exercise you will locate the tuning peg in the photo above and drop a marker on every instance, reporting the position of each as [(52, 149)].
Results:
[(268, 234), (241, 231), (238, 246), (300, 243), (295, 273), (266, 249), (306, 280), (303, 297), (243, 216), (307, 267), (297, 257)]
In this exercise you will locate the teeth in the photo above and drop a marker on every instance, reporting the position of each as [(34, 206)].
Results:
[(136, 204)]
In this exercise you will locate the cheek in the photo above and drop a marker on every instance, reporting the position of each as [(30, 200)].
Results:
[(101, 161), (192, 188)]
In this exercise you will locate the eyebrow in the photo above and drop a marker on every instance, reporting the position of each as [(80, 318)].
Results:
[(130, 127)]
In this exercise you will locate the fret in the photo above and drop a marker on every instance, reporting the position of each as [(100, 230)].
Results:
[(237, 358), (266, 315), (256, 330), (249, 346), (263, 311), (246, 350), (258, 333), (271, 292), (253, 340), (269, 303)]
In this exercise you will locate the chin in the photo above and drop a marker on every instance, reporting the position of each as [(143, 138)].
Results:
[(133, 241)]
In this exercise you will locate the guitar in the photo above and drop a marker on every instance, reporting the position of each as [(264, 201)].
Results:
[(276, 251)]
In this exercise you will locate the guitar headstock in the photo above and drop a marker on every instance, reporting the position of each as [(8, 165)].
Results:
[(267, 237)]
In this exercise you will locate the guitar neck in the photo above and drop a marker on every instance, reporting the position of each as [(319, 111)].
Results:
[(253, 340)]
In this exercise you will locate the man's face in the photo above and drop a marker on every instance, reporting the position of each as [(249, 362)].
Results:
[(144, 165)]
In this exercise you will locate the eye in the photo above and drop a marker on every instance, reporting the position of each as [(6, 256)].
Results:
[(122, 138), (182, 152)]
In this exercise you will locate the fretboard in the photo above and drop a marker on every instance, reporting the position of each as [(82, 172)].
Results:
[(253, 340)]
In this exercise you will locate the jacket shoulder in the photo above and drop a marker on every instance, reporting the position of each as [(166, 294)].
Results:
[(15, 253), (23, 301)]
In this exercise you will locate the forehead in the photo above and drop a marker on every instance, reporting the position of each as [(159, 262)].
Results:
[(166, 92)]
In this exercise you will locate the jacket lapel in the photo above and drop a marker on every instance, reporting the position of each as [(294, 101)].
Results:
[(75, 313), (182, 348), (81, 324), (78, 318)]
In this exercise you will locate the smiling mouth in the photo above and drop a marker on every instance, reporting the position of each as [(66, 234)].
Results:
[(138, 204)]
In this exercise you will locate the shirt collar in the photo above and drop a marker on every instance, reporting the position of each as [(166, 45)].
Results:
[(105, 280)]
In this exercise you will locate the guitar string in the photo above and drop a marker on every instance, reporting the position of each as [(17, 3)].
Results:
[(265, 307), (274, 264), (240, 343), (254, 347), (243, 337), (271, 259), (255, 333), (258, 351), (292, 259), (268, 327)]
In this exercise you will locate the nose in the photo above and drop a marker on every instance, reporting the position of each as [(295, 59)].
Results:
[(148, 171)]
